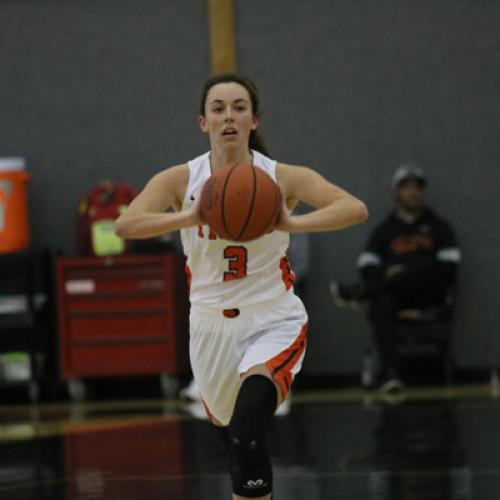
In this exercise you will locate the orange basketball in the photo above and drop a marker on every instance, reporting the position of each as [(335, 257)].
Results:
[(240, 202)]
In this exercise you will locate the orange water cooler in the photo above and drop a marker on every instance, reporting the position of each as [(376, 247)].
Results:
[(14, 222)]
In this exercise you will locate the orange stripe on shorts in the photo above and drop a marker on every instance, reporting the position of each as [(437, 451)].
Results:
[(281, 365), (207, 410)]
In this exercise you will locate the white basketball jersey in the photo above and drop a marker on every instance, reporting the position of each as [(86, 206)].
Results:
[(227, 274)]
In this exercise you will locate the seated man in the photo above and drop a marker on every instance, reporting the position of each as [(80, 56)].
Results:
[(410, 261)]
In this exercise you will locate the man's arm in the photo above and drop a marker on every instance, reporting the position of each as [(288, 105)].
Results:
[(448, 253)]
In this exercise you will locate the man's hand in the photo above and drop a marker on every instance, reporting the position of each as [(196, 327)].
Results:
[(395, 269)]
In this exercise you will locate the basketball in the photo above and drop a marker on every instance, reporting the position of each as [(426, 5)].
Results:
[(240, 202)]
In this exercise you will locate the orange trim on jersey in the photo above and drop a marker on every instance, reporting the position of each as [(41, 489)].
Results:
[(281, 365), (189, 277), (286, 272)]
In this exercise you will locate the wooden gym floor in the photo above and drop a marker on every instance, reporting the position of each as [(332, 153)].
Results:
[(428, 444)]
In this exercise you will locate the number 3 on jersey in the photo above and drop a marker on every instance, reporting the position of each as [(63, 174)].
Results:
[(237, 257)]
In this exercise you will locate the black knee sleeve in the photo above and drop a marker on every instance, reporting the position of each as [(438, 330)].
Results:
[(255, 405)]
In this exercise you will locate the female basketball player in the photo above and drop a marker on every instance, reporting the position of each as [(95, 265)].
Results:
[(247, 327)]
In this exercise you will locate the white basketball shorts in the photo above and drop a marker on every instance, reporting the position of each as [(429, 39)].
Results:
[(221, 348)]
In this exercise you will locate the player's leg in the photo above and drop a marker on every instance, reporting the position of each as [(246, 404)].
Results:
[(255, 405), (244, 437), (271, 359)]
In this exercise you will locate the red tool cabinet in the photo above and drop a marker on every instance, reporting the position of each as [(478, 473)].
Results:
[(124, 315)]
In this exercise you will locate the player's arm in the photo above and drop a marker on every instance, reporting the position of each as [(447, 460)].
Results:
[(146, 216), (334, 207)]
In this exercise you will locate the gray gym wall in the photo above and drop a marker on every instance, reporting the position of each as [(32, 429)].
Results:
[(94, 90)]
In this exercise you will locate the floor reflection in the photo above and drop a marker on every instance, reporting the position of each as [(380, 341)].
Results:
[(418, 454), (413, 449), (131, 462), (32, 470)]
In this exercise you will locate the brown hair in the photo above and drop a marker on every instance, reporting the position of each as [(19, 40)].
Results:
[(255, 141)]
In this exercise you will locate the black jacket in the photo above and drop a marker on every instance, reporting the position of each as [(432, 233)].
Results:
[(428, 243)]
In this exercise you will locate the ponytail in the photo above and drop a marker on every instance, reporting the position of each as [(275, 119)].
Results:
[(257, 142)]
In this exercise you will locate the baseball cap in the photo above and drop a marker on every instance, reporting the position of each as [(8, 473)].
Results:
[(406, 172)]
